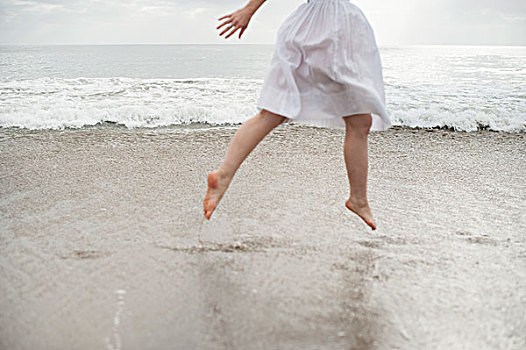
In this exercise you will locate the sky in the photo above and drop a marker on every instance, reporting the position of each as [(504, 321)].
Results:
[(432, 22)]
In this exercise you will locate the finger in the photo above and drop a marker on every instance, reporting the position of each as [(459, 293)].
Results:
[(226, 30), (232, 32), (241, 32), (226, 22), (229, 29), (224, 17)]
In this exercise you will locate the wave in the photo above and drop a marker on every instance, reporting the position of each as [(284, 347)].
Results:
[(56, 103)]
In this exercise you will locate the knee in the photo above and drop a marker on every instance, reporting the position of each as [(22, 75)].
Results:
[(358, 124)]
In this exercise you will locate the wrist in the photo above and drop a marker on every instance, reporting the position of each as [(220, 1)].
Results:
[(250, 8)]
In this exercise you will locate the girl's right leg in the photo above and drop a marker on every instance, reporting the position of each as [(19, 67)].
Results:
[(245, 140), (356, 159)]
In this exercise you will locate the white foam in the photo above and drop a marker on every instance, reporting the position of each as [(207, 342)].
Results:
[(56, 103), (52, 103), (469, 120)]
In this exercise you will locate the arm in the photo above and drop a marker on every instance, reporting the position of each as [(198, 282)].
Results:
[(240, 18)]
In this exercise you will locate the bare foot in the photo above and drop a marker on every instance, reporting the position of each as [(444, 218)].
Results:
[(217, 185), (363, 211)]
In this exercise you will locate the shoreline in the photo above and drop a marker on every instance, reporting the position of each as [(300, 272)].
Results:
[(205, 126)]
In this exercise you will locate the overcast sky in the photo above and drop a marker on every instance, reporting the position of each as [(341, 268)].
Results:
[(463, 22)]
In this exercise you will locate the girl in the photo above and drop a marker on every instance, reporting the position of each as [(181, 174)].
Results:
[(325, 71)]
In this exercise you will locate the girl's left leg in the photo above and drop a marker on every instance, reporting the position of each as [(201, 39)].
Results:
[(245, 140)]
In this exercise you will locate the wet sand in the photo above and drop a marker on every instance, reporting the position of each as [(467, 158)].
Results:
[(99, 242)]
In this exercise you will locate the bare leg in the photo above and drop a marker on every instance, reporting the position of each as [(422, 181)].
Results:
[(245, 140), (356, 160)]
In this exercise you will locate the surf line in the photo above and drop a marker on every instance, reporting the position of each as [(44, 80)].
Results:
[(115, 343)]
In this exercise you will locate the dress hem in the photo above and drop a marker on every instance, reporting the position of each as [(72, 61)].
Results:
[(276, 101)]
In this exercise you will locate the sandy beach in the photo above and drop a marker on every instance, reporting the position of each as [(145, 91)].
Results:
[(99, 242)]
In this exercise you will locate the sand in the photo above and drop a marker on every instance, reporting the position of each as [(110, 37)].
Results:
[(99, 249)]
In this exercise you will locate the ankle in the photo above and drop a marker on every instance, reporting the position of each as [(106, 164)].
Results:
[(224, 174), (359, 201)]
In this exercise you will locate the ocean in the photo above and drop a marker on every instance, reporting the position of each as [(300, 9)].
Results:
[(461, 88)]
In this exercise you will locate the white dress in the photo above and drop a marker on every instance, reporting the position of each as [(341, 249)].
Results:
[(326, 65)]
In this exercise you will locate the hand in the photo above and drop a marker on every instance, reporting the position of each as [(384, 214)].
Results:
[(238, 20)]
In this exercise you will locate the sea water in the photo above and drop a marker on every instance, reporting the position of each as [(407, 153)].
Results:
[(465, 88)]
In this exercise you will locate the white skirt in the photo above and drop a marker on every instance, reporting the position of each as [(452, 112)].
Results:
[(325, 66)]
